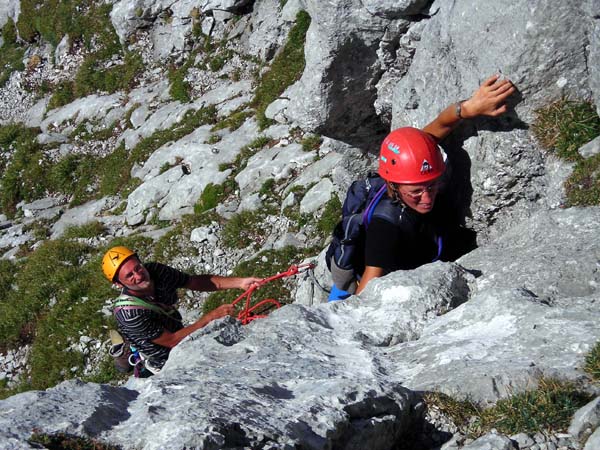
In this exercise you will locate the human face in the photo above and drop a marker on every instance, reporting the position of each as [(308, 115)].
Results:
[(133, 275), (420, 197)]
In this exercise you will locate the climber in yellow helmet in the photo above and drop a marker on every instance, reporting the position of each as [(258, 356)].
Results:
[(150, 320)]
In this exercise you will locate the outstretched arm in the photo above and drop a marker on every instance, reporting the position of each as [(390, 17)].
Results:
[(488, 100), (209, 283)]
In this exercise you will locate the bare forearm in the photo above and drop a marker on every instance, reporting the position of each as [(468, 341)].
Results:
[(209, 283), (488, 100), (170, 340), (444, 123), (369, 273)]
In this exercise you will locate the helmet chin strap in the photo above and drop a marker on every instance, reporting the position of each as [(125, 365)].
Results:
[(394, 193)]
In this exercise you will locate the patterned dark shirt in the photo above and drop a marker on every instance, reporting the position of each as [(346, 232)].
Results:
[(142, 326)]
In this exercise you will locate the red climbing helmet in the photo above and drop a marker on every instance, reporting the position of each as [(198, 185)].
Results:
[(410, 156)]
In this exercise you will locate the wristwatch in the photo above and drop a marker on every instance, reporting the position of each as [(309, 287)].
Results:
[(458, 110)]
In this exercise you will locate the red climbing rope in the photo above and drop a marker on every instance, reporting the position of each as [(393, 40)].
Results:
[(247, 315)]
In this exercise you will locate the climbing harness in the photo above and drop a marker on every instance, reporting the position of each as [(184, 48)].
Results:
[(247, 314)]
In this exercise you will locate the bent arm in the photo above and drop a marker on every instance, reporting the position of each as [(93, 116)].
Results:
[(369, 273), (170, 340), (487, 100)]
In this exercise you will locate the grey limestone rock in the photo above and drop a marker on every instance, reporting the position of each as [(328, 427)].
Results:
[(554, 255), (317, 196), (313, 288), (593, 441), (71, 407), (411, 299), (92, 107), (496, 344), (80, 215), (594, 51), (174, 191), (267, 27), (170, 22), (35, 114), (541, 48), (9, 9), (336, 94), (277, 162), (586, 420), (62, 50), (591, 148), (491, 441), (316, 171), (46, 208)]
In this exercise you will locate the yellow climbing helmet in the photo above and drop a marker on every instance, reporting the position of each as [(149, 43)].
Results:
[(113, 259)]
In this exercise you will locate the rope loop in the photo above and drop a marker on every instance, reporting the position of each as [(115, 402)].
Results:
[(247, 314)]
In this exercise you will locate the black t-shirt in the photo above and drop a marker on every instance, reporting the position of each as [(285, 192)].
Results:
[(408, 244), (141, 326)]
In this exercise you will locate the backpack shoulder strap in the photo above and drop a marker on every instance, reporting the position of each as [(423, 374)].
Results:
[(130, 302), (389, 211)]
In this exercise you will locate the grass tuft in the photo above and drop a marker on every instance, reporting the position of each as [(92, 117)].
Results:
[(11, 54), (592, 363), (332, 214), (549, 407), (286, 69), (563, 128), (66, 441), (212, 196), (311, 142), (243, 230)]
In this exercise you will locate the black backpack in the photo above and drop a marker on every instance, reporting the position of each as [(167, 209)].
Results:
[(347, 248)]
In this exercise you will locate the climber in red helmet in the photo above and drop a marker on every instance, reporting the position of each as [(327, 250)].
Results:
[(412, 165)]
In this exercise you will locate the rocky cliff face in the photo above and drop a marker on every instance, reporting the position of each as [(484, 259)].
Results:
[(349, 375)]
